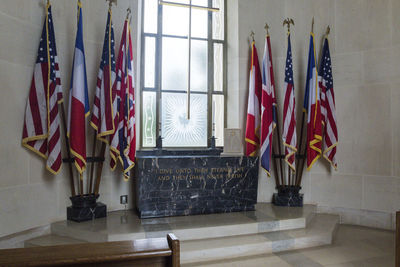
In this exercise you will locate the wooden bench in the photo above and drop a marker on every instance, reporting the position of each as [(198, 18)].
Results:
[(398, 239), (144, 252)]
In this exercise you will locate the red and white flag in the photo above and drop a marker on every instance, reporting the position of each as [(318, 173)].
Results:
[(254, 106), (41, 132), (312, 106), (289, 113), (102, 112), (123, 144), (328, 108)]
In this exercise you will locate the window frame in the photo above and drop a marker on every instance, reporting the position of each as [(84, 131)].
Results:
[(158, 74)]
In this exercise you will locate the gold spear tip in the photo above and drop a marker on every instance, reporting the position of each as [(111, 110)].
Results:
[(267, 28), (252, 35)]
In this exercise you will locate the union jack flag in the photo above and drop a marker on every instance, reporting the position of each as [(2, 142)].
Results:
[(328, 109), (289, 114), (123, 144), (268, 108), (102, 111), (41, 132)]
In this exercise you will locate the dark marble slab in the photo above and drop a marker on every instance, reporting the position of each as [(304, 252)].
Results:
[(173, 185), (288, 196), (81, 214)]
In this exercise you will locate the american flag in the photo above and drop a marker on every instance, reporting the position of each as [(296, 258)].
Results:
[(123, 144), (289, 114), (328, 109), (102, 111), (312, 105), (254, 106), (41, 132), (268, 106)]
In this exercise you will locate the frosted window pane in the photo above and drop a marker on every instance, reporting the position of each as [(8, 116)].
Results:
[(218, 20), (198, 76), (174, 64), (218, 67), (149, 61), (149, 119), (175, 20), (200, 2), (199, 23), (218, 118), (150, 16), (177, 130)]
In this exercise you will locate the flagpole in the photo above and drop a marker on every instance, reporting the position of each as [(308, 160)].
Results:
[(99, 169), (71, 173), (92, 165), (302, 154), (300, 173)]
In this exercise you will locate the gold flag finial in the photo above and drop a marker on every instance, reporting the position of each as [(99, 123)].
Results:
[(312, 25), (287, 22), (252, 35), (267, 28), (111, 2), (128, 13), (328, 30)]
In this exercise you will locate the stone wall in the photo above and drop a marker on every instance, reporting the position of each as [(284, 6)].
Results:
[(365, 42), (365, 49), (29, 195)]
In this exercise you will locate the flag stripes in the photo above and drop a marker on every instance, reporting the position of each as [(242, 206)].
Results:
[(41, 131), (328, 108), (289, 115)]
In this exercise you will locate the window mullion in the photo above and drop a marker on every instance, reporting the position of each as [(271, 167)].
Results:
[(158, 71), (210, 75)]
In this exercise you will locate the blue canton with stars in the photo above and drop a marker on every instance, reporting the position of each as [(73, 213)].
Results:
[(106, 48), (289, 64), (326, 66), (43, 53)]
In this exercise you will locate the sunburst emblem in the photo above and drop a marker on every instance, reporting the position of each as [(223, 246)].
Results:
[(177, 129)]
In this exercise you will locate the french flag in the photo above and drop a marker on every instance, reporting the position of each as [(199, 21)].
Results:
[(312, 105), (78, 108)]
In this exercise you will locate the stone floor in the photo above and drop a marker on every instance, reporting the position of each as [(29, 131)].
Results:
[(353, 246)]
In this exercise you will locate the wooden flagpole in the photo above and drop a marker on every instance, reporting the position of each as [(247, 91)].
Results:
[(71, 173), (300, 172), (99, 169), (92, 166), (301, 160)]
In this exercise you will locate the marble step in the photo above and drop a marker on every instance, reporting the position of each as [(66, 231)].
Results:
[(122, 225), (51, 240), (319, 232)]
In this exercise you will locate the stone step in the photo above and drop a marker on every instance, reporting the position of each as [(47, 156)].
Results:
[(51, 240), (122, 225), (319, 232)]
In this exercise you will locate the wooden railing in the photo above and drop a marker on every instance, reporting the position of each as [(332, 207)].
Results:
[(398, 239), (144, 252)]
